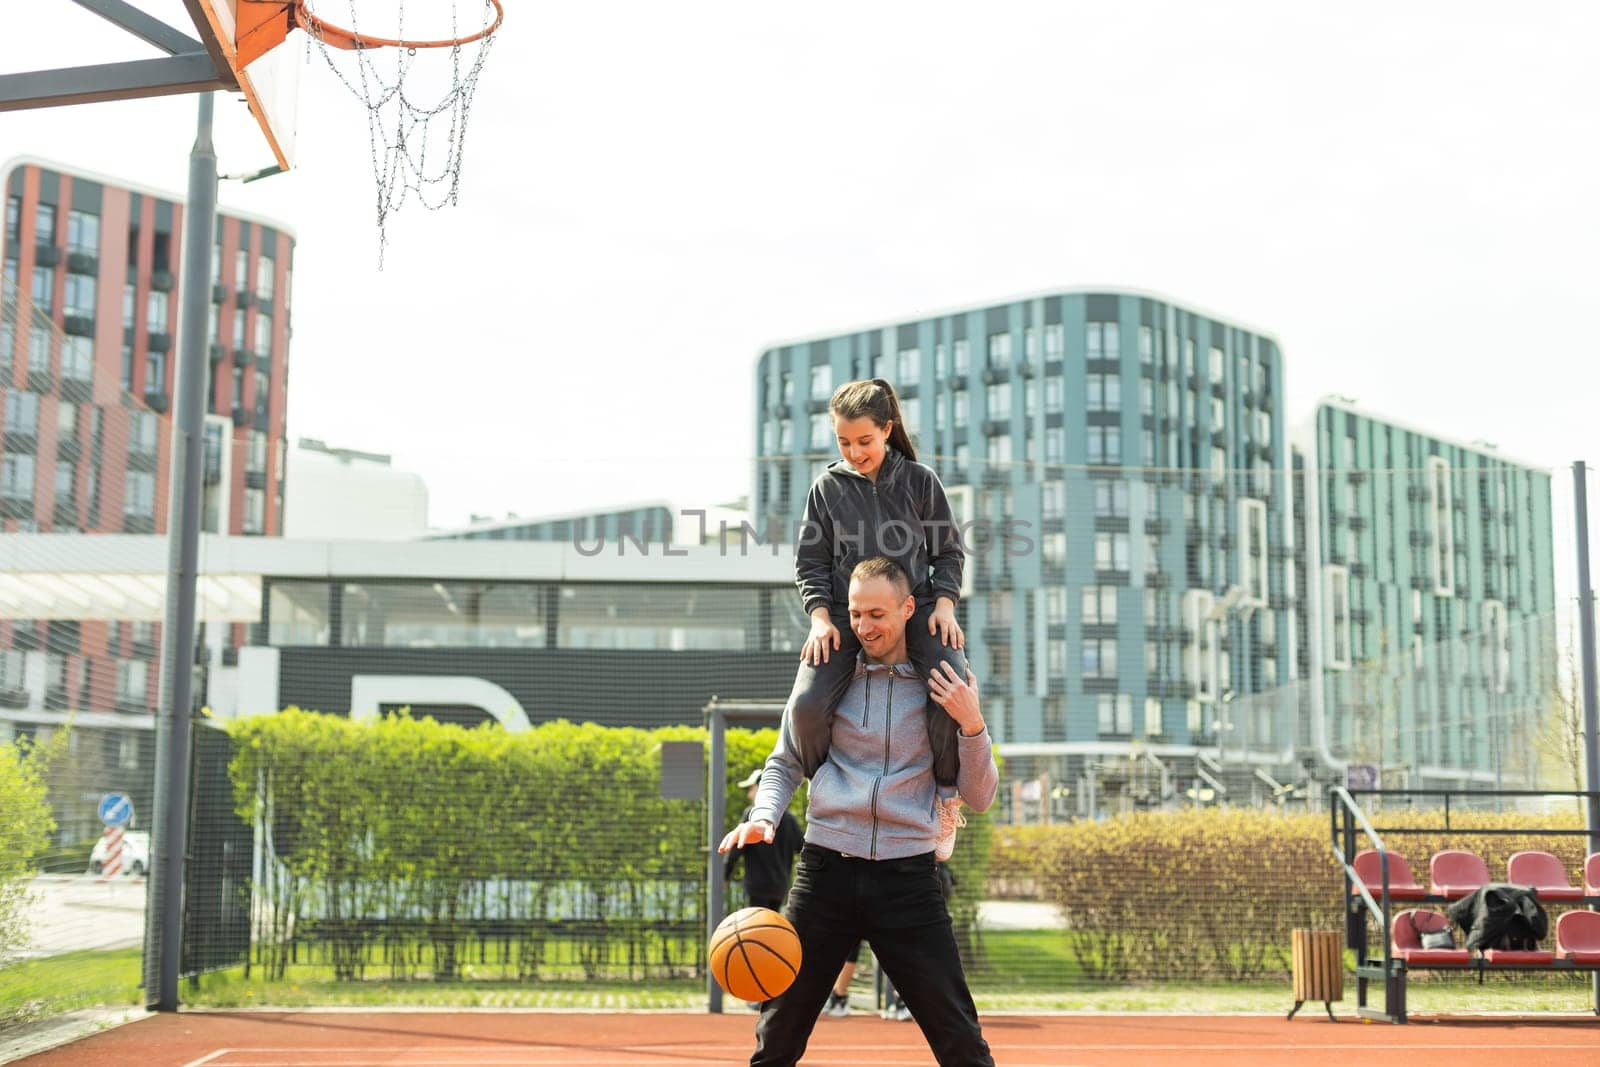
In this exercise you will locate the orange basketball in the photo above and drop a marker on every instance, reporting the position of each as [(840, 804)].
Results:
[(755, 954)]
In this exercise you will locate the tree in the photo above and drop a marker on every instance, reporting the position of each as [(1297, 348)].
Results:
[(25, 827)]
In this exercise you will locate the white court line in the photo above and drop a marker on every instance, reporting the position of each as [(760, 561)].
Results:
[(209, 1057)]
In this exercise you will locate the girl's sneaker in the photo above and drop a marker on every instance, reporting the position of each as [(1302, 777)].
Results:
[(950, 820)]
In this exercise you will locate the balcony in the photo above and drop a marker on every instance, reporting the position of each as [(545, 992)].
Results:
[(141, 461), (1421, 583), (78, 325), (83, 263), (1158, 580), (25, 636), (159, 342), (1103, 366), (55, 698), (142, 648), (994, 475), (1155, 526), (242, 357), (157, 400), (219, 292), (1358, 569), (240, 416), (1420, 538), (1026, 368), (996, 375), (1219, 390), (1358, 522), (46, 255), (818, 405), (1417, 493), (40, 381), (263, 420), (138, 524), (16, 441), (161, 281), (132, 705), (16, 507), (62, 635), (64, 513), (255, 479), (244, 298), (217, 352), (68, 449)]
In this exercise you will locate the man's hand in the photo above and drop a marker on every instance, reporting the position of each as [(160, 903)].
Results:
[(943, 625), (823, 639), (747, 833), (959, 699)]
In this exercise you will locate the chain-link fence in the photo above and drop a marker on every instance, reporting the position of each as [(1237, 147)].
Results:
[(1176, 662)]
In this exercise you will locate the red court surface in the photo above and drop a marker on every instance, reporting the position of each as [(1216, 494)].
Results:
[(516, 1039)]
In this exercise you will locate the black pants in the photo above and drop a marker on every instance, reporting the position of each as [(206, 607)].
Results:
[(765, 900), (896, 905), (818, 690)]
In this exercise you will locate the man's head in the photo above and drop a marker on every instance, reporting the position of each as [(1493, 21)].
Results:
[(880, 605), (752, 784)]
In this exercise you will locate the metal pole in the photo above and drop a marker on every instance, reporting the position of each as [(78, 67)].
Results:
[(1591, 704), (717, 786), (174, 722)]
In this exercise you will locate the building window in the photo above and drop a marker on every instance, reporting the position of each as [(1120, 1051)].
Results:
[(263, 334), (1110, 551), (155, 372), (132, 680), (999, 350), (156, 312), (1052, 500), (44, 289), (1105, 392), (1440, 527), (80, 291), (1055, 609), (911, 414), (958, 408), (1200, 652), (1152, 717), (238, 328), (140, 500), (1218, 361), (1147, 397), (1054, 395), (256, 457), (1055, 341), (13, 224), (821, 431), (1337, 586), (83, 233), (1147, 345), (1099, 605), (961, 356), (66, 481), (1253, 549), (1105, 445), (1100, 658), (1115, 713), (1055, 449), (1101, 341), (16, 477), (821, 382), (39, 338), (1053, 548), (786, 389), (142, 432), (1110, 499), (22, 412), (910, 364), (44, 224), (130, 304), (241, 270), (255, 510), (77, 358), (998, 398), (264, 278)]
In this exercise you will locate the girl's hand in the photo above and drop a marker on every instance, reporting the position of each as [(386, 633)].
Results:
[(747, 833), (942, 624), (823, 639)]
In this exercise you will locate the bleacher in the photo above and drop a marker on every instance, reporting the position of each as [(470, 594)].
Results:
[(1378, 878)]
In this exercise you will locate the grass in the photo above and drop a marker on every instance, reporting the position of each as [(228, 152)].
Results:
[(32, 989)]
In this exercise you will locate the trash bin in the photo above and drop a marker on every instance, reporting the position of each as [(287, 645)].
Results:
[(1318, 968)]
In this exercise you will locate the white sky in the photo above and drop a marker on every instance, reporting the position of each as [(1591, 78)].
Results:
[(1406, 196)]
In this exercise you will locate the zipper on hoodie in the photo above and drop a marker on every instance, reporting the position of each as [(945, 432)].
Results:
[(888, 717)]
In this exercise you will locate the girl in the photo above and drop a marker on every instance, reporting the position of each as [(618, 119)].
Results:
[(876, 500)]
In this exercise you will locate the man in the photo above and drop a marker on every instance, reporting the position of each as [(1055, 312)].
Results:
[(867, 869), (766, 867)]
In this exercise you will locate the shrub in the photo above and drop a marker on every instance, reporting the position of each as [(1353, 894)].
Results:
[(25, 827)]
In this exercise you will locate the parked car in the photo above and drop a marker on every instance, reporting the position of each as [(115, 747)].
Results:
[(135, 854)]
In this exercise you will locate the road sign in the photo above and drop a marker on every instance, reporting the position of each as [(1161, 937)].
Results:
[(1361, 776), (116, 809)]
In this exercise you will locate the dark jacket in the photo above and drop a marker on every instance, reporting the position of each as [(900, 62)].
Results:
[(903, 515), (1501, 916), (767, 867)]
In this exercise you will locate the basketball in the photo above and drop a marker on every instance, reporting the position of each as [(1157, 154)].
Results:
[(755, 954)]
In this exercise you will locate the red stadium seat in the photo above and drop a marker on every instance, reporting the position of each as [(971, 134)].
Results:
[(1503, 955), (1402, 883), (1406, 929), (1591, 875), (1454, 873), (1578, 936), (1543, 873)]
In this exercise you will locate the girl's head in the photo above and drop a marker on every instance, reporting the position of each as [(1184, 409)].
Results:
[(866, 417)]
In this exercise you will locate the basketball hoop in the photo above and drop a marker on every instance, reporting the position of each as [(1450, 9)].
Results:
[(417, 132)]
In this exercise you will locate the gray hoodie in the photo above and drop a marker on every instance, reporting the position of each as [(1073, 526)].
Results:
[(874, 797)]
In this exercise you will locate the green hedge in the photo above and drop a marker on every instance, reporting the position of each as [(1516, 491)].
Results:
[(1213, 894), (403, 848), (26, 823)]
